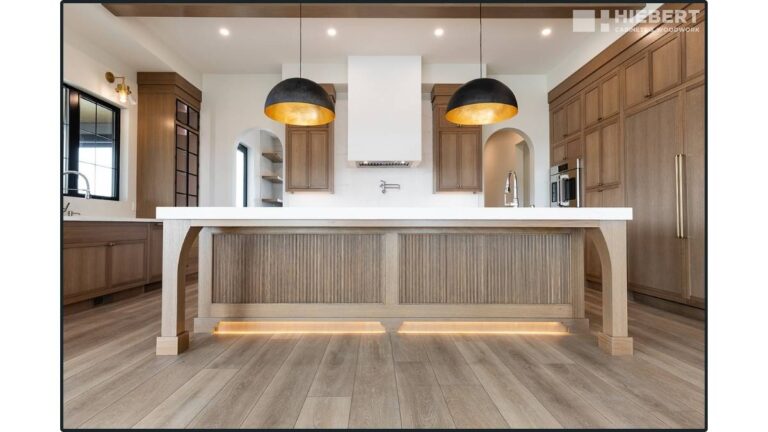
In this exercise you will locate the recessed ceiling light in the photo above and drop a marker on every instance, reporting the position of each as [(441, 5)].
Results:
[(224, 31), (331, 32), (439, 32), (546, 31)]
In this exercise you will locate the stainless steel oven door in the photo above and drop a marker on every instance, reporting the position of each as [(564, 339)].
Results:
[(565, 190)]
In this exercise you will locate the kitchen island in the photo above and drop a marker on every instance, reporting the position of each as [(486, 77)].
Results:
[(393, 265)]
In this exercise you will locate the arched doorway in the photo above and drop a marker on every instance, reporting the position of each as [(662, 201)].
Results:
[(506, 150), (258, 174)]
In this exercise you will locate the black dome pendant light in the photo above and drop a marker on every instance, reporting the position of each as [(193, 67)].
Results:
[(482, 100), (299, 101)]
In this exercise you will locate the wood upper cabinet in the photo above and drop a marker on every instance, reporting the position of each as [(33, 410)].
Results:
[(694, 51), (573, 117), (666, 67), (568, 151), (601, 101), (602, 156), (457, 150), (655, 71), (309, 155), (566, 120), (636, 81), (559, 124), (168, 142), (309, 158)]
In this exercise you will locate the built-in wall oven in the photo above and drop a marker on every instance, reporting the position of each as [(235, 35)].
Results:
[(565, 185)]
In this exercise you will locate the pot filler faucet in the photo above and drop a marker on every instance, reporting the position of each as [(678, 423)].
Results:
[(510, 190)]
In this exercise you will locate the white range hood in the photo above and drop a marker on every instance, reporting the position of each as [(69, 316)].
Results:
[(384, 105)]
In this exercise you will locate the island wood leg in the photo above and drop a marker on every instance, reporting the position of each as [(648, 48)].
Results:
[(610, 240), (178, 237)]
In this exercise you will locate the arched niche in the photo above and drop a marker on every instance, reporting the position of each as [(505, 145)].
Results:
[(506, 150)]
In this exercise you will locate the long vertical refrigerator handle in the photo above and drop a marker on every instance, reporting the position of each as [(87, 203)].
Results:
[(678, 230), (681, 193)]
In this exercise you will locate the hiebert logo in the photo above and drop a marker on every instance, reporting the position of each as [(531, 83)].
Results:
[(587, 21)]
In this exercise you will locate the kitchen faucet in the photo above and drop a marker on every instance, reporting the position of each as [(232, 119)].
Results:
[(510, 188), (86, 191)]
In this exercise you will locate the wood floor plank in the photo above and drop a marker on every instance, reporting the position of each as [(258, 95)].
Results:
[(422, 404), (281, 403), (570, 409), (240, 352), (324, 413), (515, 402), (229, 408), (606, 399), (374, 398), (688, 419), (449, 365), (472, 408), (128, 410), (335, 377), (92, 401), (78, 383), (183, 405)]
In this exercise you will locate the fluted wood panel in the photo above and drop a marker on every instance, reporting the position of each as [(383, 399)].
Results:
[(297, 268), (514, 268)]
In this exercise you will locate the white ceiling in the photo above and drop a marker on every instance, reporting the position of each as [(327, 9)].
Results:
[(260, 45)]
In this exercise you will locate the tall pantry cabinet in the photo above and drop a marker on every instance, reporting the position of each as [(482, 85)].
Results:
[(644, 148)]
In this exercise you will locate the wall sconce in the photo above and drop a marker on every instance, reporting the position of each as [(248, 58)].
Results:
[(123, 90)]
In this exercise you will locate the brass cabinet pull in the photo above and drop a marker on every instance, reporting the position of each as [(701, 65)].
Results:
[(677, 196), (681, 182), (680, 194)]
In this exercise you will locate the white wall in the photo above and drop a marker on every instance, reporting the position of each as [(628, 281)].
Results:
[(532, 122), (233, 104), (84, 68)]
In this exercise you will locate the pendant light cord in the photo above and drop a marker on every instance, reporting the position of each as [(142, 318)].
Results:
[(300, 38), (481, 39)]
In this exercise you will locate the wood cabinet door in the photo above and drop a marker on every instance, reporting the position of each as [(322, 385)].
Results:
[(609, 96), (439, 113), (85, 270), (592, 159), (654, 251), (693, 223), (694, 51), (319, 169), (127, 264), (470, 161), (666, 64), (559, 154), (155, 266), (448, 161), (573, 117), (297, 155), (592, 106), (636, 85), (610, 155), (573, 150), (559, 127)]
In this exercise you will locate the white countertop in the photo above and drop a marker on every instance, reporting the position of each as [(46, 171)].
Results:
[(107, 219), (396, 213)]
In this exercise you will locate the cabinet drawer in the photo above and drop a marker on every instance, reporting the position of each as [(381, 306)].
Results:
[(103, 232)]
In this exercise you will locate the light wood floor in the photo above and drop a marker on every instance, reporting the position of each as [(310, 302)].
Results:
[(112, 378)]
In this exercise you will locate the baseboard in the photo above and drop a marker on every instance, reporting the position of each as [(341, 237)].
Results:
[(670, 306)]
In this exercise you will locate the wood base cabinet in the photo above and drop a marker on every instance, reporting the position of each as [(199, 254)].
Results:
[(101, 258)]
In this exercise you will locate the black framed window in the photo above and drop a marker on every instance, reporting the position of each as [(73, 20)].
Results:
[(241, 176), (90, 145)]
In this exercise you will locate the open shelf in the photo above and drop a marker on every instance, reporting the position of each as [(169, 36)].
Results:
[(275, 201), (275, 157), (273, 178)]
